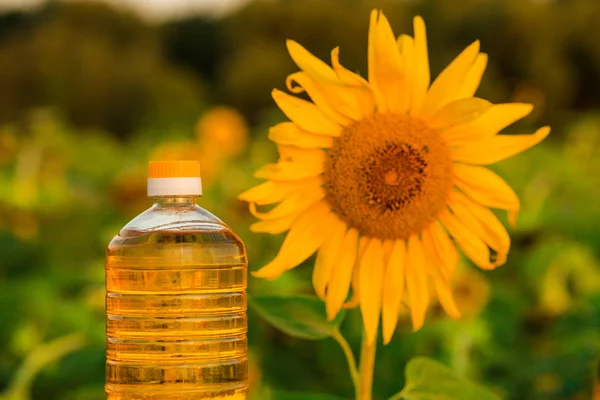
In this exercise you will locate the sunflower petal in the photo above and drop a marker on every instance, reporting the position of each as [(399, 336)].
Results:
[(422, 76), (329, 98), (393, 289), (362, 94), (273, 192), (355, 300), (305, 114), (487, 188), (443, 251), (459, 112), (447, 85), (308, 164), (498, 117), (371, 280), (343, 74), (416, 281), (327, 257), (474, 76), (379, 99), (309, 63), (274, 226), (341, 103), (290, 204), (305, 236), (444, 293), (497, 148), (288, 171), (406, 47), (473, 247), (342, 273), (288, 133), (385, 67), (483, 223), (264, 190)]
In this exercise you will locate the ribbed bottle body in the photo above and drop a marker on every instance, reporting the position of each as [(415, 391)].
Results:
[(176, 314)]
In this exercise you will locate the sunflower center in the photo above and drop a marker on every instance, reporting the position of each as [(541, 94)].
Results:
[(388, 175)]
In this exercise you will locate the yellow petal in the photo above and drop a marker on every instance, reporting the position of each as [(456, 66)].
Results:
[(379, 100), (307, 164), (341, 278), (274, 226), (371, 280), (341, 103), (483, 223), (288, 133), (343, 74), (444, 293), (362, 92), (443, 251), (498, 117), (309, 63), (327, 258), (459, 112), (291, 204), (385, 67), (305, 114), (422, 76), (258, 192), (487, 188), (406, 46), (416, 281), (355, 300), (473, 79), (305, 236), (497, 148), (447, 85), (297, 154), (273, 192), (470, 244), (393, 289), (388, 245), (324, 96)]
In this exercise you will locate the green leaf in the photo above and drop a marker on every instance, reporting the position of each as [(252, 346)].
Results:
[(300, 316), (427, 379), (303, 396)]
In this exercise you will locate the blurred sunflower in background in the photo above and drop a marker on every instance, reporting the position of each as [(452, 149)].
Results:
[(385, 177), (222, 134), (471, 291), (224, 130)]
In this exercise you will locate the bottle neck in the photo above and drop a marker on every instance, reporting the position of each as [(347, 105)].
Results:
[(179, 200)]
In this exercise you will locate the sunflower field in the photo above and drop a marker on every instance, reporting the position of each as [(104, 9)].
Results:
[(89, 93)]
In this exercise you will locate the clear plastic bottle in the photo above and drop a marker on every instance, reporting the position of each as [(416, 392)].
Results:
[(176, 298)]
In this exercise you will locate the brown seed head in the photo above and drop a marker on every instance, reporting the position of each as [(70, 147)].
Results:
[(388, 175)]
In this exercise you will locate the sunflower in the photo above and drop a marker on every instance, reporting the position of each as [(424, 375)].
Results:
[(384, 178)]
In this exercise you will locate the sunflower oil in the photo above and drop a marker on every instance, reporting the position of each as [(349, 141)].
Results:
[(176, 298)]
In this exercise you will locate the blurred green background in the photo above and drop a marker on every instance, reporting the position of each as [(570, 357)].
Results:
[(89, 93)]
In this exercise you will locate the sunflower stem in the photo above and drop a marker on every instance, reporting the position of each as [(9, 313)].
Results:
[(367, 366), (349, 357)]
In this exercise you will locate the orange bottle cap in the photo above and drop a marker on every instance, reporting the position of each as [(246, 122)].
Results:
[(174, 169)]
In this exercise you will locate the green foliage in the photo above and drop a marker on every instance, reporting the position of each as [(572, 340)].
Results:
[(40, 357), (429, 380), (299, 316)]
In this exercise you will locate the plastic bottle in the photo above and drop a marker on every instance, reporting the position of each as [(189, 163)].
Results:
[(176, 298)]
